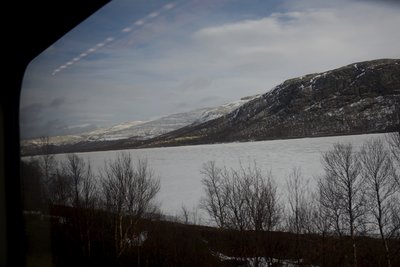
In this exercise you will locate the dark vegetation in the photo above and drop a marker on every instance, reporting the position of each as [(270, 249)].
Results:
[(73, 218), (177, 244)]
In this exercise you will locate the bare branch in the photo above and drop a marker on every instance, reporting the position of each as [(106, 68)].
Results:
[(128, 192), (342, 184), (378, 176)]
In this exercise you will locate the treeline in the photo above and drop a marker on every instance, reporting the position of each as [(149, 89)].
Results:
[(107, 206), (357, 196), (350, 218)]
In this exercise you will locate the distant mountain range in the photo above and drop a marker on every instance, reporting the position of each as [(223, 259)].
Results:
[(358, 98), (132, 131)]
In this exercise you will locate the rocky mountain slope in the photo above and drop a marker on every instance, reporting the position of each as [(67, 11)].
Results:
[(358, 98)]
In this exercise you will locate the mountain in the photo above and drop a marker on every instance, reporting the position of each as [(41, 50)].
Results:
[(362, 97), (134, 131)]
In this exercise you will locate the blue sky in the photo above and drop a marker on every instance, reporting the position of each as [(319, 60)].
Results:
[(139, 60)]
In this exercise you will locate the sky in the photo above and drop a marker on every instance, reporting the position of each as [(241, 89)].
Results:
[(141, 60)]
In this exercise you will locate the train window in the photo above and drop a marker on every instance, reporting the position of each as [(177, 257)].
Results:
[(216, 133)]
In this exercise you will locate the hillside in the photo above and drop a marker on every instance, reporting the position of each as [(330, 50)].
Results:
[(362, 97), (176, 244)]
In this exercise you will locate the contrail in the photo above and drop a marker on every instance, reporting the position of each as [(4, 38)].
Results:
[(137, 24)]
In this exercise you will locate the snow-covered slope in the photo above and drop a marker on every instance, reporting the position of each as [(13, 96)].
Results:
[(214, 113), (142, 130)]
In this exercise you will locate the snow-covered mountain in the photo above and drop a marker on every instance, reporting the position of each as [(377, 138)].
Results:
[(362, 97), (214, 113), (141, 130)]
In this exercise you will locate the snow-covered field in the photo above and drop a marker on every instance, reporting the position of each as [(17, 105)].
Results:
[(178, 168)]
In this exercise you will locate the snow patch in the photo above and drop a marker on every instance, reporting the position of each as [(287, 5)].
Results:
[(262, 261), (315, 78), (361, 74), (316, 105), (313, 81), (220, 111), (78, 126)]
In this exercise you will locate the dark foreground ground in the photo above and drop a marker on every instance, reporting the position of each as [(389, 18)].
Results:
[(64, 237)]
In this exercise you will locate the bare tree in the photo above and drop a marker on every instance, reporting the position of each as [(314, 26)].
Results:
[(80, 182), (298, 213), (298, 219), (395, 211), (378, 176), (47, 156), (89, 190), (330, 204), (142, 190), (343, 168), (189, 216), (47, 163), (237, 213), (320, 222), (260, 194), (215, 201), (59, 189), (262, 205), (394, 146), (242, 199), (88, 201), (74, 169), (185, 214), (394, 141), (128, 191)]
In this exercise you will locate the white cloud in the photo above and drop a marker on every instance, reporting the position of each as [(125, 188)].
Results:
[(169, 6), (321, 37), (252, 56), (127, 29), (139, 22), (149, 71), (153, 15), (257, 54)]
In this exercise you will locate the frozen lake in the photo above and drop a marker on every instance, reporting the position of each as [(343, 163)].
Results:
[(178, 168)]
